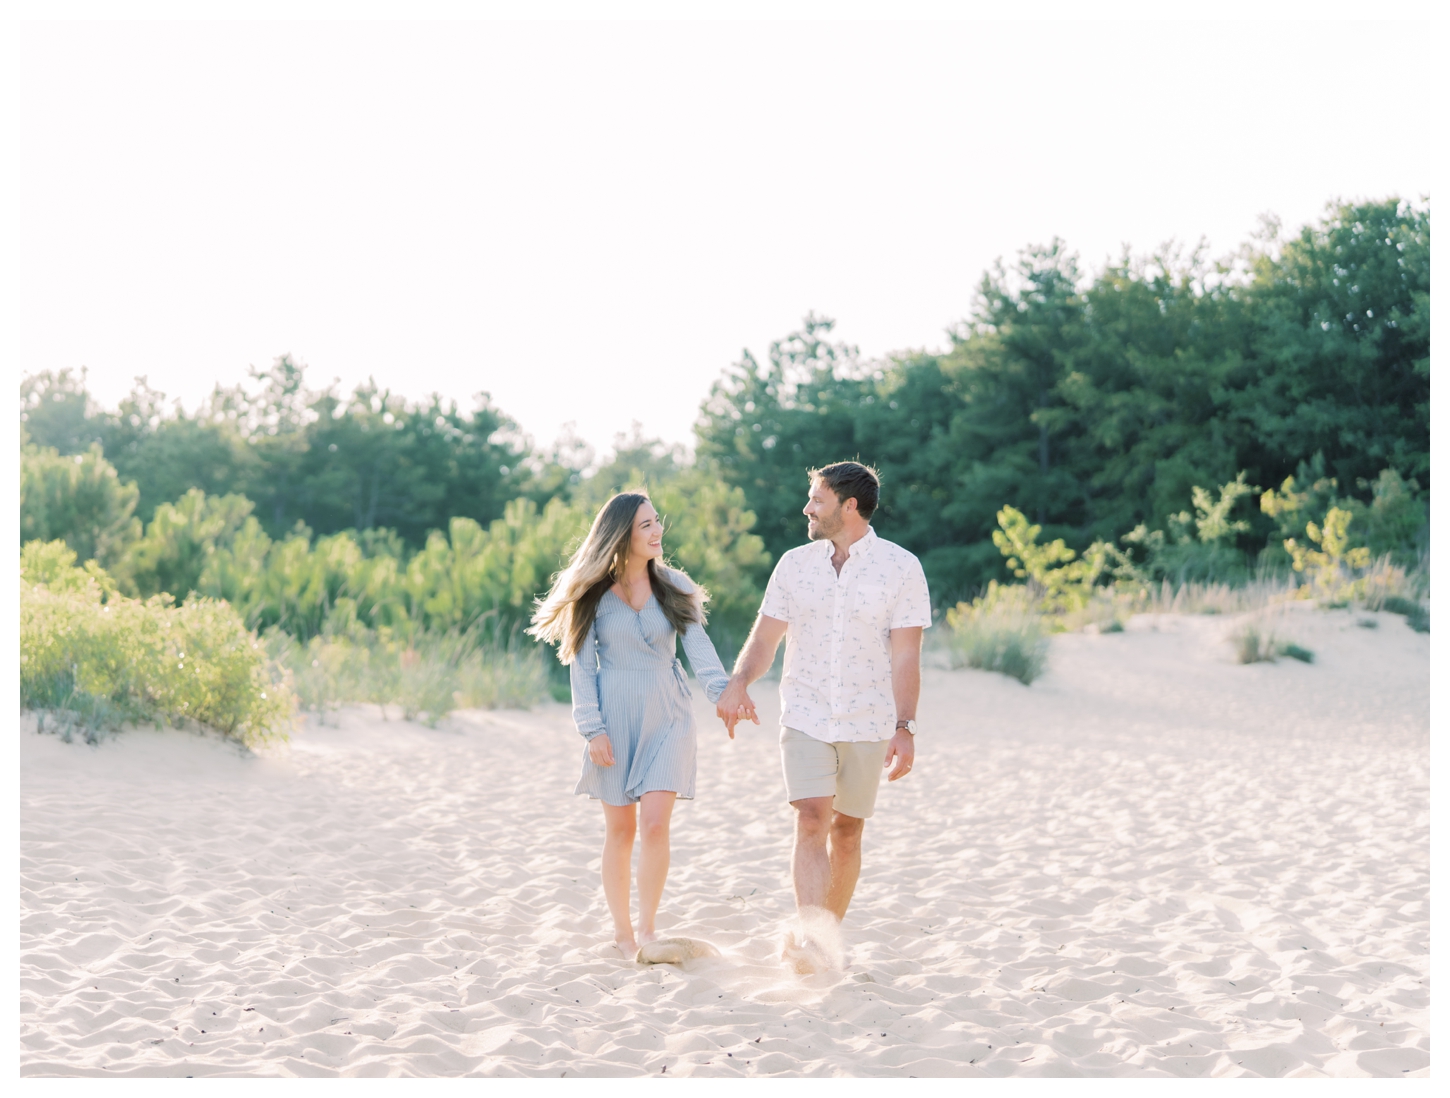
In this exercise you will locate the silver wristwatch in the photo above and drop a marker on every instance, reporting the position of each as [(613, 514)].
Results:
[(910, 726)]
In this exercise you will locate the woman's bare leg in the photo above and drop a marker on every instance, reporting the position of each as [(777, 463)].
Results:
[(654, 856), (614, 871)]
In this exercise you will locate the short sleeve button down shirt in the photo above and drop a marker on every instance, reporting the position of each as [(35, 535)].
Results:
[(837, 680)]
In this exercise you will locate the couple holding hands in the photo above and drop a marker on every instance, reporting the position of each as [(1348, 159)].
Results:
[(850, 606)]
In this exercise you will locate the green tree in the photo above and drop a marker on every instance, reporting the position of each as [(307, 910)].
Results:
[(178, 543), (1341, 344), (79, 499)]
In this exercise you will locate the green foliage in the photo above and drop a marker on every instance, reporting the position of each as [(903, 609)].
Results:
[(1060, 581), (105, 658), (78, 499), (179, 542), (1095, 405), (1094, 402), (1201, 546), (1335, 571), (1397, 521), (328, 460), (1341, 341), (1000, 631)]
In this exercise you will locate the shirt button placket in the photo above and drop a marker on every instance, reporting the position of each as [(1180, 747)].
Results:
[(836, 640)]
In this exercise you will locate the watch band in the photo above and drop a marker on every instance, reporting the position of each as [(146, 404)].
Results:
[(910, 726)]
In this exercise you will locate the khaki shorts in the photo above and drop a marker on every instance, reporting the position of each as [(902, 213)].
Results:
[(850, 772)]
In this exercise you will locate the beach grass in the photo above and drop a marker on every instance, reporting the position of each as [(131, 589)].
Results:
[(426, 676), (1000, 631)]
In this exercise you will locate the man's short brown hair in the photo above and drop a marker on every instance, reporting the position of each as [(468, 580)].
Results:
[(852, 480)]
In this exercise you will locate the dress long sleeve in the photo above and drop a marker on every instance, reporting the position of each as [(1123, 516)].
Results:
[(705, 661), (584, 686)]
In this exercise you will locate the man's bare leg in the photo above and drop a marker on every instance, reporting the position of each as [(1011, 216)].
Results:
[(845, 862), (654, 856), (614, 871), (810, 863)]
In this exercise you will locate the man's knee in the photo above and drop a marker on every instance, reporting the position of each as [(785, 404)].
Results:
[(846, 832), (813, 817)]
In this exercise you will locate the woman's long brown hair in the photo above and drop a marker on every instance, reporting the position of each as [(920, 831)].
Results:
[(564, 615)]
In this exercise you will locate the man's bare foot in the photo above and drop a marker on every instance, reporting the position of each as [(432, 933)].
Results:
[(804, 956)]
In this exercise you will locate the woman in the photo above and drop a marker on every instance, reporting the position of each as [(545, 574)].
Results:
[(615, 612)]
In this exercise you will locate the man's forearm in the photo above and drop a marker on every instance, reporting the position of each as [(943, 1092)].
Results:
[(906, 687), (906, 671), (757, 655)]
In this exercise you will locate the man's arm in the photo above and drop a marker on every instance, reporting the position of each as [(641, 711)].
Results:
[(754, 660), (906, 688)]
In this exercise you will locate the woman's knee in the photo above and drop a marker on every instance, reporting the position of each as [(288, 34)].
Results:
[(619, 825), (654, 829), (617, 834)]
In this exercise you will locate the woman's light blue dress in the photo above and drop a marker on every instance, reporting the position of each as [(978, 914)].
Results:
[(628, 685)]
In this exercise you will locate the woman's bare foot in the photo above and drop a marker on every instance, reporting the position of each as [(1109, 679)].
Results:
[(626, 945), (647, 936)]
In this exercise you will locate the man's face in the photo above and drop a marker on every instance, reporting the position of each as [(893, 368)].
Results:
[(823, 511)]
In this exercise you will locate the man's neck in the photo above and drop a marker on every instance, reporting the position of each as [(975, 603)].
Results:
[(850, 534)]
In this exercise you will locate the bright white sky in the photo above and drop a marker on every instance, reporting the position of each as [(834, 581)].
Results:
[(590, 221)]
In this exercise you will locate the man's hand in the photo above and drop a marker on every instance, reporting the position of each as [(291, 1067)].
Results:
[(735, 705), (903, 750), (601, 751)]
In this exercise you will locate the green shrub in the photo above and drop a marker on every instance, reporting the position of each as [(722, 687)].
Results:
[(1296, 652), (1000, 631), (1394, 523), (1200, 546), (99, 659), (1060, 580)]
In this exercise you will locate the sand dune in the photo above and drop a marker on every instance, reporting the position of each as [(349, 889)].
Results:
[(1150, 862)]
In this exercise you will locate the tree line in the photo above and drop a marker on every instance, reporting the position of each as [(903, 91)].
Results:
[(1097, 405), (1114, 407)]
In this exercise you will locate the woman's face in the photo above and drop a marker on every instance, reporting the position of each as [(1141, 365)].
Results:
[(646, 542)]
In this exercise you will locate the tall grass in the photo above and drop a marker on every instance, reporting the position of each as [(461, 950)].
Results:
[(426, 676), (1001, 631)]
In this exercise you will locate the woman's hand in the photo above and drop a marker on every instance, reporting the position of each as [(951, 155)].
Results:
[(601, 751)]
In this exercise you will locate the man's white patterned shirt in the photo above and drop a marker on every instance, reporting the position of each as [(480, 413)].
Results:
[(837, 680)]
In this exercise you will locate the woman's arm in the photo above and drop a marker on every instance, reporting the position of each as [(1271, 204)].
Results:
[(705, 661), (584, 686)]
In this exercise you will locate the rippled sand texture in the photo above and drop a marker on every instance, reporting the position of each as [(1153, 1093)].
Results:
[(1151, 862)]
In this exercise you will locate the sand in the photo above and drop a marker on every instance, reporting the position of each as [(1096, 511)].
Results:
[(1152, 861)]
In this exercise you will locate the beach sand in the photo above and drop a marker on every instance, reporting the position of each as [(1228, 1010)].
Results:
[(1152, 861)]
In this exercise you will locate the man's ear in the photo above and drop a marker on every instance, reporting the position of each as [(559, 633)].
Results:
[(851, 504)]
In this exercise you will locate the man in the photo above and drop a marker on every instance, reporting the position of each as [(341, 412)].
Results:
[(851, 607)]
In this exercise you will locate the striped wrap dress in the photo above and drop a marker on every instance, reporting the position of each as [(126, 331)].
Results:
[(628, 685)]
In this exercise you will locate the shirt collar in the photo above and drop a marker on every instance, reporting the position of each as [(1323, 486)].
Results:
[(859, 547)]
